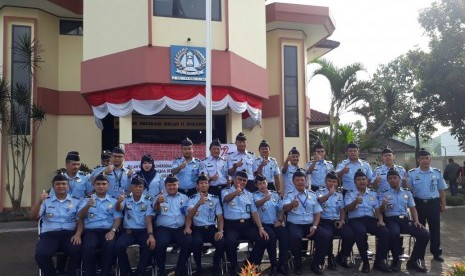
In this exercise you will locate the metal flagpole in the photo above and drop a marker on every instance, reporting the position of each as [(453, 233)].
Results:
[(208, 84)]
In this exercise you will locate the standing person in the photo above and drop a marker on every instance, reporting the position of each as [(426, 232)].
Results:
[(451, 172), (186, 168), (216, 168), (333, 219), (118, 176), (137, 228), (101, 221), (395, 201), (203, 213), (347, 168), (271, 212), (170, 206), (288, 170), (429, 193), (318, 168), (78, 181), (242, 159), (462, 177), (105, 160), (153, 181), (303, 219), (268, 167), (242, 221), (380, 182), (61, 228), (364, 214)]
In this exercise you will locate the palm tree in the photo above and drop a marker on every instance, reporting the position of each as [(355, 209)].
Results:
[(346, 91)]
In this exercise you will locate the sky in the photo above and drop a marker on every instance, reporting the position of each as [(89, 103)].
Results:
[(371, 32)]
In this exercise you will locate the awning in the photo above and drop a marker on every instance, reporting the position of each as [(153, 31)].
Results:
[(150, 99)]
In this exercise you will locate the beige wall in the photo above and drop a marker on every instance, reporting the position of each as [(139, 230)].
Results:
[(112, 26), (272, 134), (247, 30), (69, 62), (48, 33)]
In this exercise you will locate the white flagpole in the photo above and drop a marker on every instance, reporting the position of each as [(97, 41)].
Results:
[(208, 84)]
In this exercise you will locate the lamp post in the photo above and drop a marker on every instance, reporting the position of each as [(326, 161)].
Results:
[(208, 84)]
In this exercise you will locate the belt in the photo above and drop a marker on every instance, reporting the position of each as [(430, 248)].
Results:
[(205, 227), (238, 220), (397, 217), (130, 230), (426, 200)]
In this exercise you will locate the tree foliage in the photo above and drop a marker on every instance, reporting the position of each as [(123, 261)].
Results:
[(346, 133)]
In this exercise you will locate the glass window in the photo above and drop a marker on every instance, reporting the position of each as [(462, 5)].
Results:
[(21, 79), (71, 27), (191, 9), (291, 102)]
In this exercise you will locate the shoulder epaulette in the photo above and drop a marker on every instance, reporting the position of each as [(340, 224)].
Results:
[(194, 195), (330, 162), (272, 158), (75, 197), (436, 169), (180, 157), (149, 197), (113, 197), (214, 196), (196, 159), (248, 151), (229, 153), (411, 170), (407, 189), (385, 190)]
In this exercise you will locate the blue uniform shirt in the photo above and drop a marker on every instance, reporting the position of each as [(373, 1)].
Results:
[(270, 170), (119, 181), (211, 166), (155, 186), (382, 172), (240, 207), (287, 178), (397, 201), (426, 184), (187, 176), (348, 178), (207, 212), (331, 207), (308, 206), (366, 207), (135, 212), (102, 214), (78, 185), (269, 211), (59, 215), (318, 176), (247, 162), (172, 212)]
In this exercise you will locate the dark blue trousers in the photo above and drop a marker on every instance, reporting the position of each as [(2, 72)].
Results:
[(203, 234), (321, 238), (277, 233), (94, 239), (57, 241), (235, 231), (363, 225), (166, 236), (127, 238), (430, 212), (397, 226), (345, 232)]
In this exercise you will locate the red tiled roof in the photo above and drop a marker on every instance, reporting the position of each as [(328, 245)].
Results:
[(318, 118)]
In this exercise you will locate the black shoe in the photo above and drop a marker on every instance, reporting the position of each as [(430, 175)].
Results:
[(331, 262), (418, 265), (438, 258), (395, 265), (282, 269), (342, 261), (272, 271), (366, 267), (382, 266), (317, 269)]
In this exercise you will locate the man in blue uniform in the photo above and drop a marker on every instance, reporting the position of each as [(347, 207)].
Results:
[(270, 209), (216, 168), (137, 228), (394, 203), (365, 217), (61, 228), (171, 206), (318, 168), (428, 190), (333, 219), (186, 168), (380, 182), (119, 177), (78, 181), (242, 221), (268, 167), (105, 159), (288, 170), (242, 159), (101, 221), (303, 219), (203, 211), (347, 168)]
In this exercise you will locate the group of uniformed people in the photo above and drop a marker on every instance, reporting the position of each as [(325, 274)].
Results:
[(240, 198)]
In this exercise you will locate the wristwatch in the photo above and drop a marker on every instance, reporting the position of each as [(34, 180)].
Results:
[(113, 229)]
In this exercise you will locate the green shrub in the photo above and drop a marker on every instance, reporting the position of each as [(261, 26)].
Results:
[(458, 269), (456, 200)]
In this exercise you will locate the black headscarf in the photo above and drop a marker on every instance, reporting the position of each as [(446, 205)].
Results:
[(149, 175)]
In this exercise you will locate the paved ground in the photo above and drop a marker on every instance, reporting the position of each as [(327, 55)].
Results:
[(17, 245)]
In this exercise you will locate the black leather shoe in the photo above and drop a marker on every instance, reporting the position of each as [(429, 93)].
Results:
[(282, 269), (317, 269), (342, 261), (331, 262), (366, 267), (382, 266), (438, 258), (395, 265), (418, 265)]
